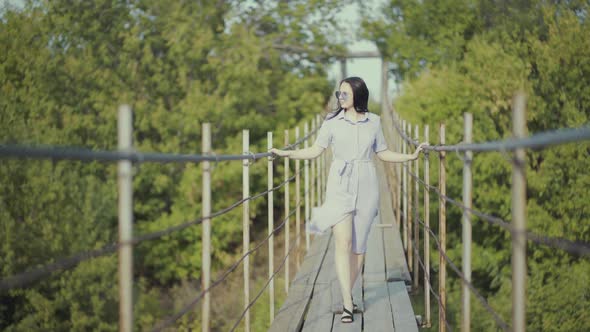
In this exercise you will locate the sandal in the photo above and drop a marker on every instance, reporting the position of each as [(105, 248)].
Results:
[(347, 316), (355, 307)]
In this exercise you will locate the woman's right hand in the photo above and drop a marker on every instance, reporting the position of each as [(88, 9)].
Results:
[(280, 153)]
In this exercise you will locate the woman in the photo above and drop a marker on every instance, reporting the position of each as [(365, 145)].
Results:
[(352, 193)]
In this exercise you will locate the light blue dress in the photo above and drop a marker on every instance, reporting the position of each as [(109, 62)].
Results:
[(352, 185)]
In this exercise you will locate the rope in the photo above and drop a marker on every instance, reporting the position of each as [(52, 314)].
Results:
[(496, 317), (577, 248), (25, 278), (169, 321), (432, 290), (263, 288), (537, 141), (83, 154)]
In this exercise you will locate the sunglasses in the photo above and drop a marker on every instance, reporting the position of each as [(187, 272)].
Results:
[(341, 95)]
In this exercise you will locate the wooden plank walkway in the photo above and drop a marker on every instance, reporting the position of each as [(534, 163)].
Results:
[(314, 302)]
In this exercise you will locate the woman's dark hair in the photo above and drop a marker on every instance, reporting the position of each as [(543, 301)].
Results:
[(360, 94)]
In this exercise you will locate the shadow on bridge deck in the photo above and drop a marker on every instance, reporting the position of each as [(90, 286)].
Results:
[(314, 302)]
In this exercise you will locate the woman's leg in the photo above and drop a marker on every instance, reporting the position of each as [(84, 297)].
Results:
[(356, 265), (343, 249)]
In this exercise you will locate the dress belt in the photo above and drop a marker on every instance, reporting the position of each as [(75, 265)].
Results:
[(347, 166)]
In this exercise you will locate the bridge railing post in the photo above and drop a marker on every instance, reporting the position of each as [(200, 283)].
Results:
[(427, 282), (297, 202), (467, 196), (270, 212), (405, 191), (287, 211), (246, 225), (306, 187), (125, 188), (519, 217), (319, 166), (206, 228), (409, 214), (398, 167), (416, 246), (312, 173), (442, 229)]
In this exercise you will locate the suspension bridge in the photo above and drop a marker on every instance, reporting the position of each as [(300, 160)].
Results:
[(394, 267)]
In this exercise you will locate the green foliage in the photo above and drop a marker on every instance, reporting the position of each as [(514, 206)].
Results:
[(64, 69), (541, 48)]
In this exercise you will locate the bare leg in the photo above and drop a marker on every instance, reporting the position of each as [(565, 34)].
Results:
[(342, 246), (356, 264)]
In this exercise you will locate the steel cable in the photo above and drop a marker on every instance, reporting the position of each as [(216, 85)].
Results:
[(577, 248), (24, 278), (497, 318)]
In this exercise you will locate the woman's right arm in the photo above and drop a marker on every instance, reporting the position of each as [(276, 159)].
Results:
[(309, 153)]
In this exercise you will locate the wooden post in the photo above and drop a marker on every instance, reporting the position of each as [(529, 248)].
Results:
[(408, 165), (343, 68), (271, 252), (442, 228), (384, 86), (416, 216), (297, 201), (427, 282), (519, 217), (206, 228), (319, 168), (398, 172), (405, 191), (246, 225), (467, 190), (312, 169), (125, 186), (398, 167), (306, 186), (287, 211)]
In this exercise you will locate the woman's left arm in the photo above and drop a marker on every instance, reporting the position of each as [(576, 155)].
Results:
[(395, 157)]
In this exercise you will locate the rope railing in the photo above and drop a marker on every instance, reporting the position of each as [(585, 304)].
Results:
[(536, 141), (81, 154), (408, 195), (576, 248), (127, 155), (432, 291), (25, 278), (263, 288), (480, 297), (169, 321)]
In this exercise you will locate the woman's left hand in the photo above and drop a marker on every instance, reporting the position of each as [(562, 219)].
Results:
[(419, 149), (280, 153)]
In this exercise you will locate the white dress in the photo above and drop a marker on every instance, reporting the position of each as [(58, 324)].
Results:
[(352, 185)]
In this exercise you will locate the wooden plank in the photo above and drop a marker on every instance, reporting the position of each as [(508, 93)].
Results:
[(311, 263), (378, 314), (403, 313), (374, 259), (291, 314), (395, 260), (357, 294), (319, 316), (355, 326), (327, 271), (396, 267)]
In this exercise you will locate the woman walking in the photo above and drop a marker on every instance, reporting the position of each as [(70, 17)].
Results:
[(352, 192)]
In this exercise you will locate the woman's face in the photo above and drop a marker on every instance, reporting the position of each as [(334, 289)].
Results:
[(346, 98)]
